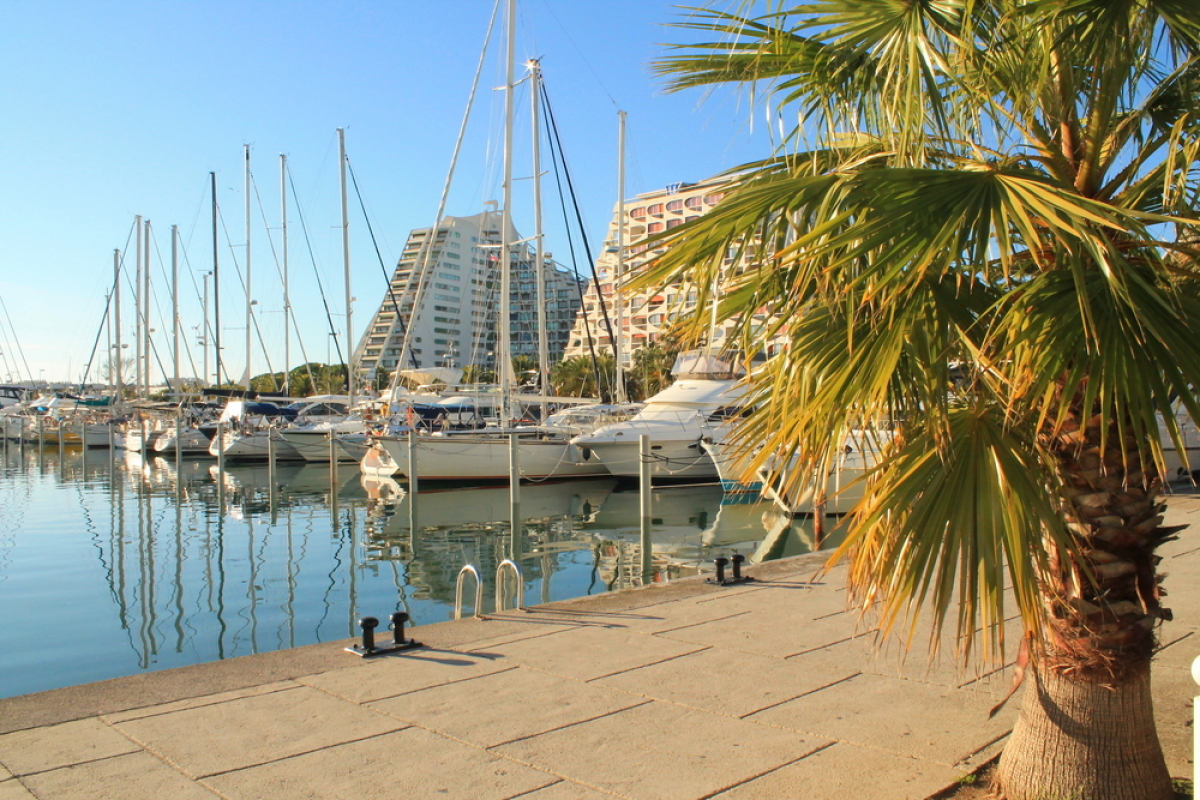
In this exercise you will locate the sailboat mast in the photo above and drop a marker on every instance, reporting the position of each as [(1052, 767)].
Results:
[(175, 308), (346, 264), (619, 344), (249, 301), (146, 315), (287, 305), (137, 306), (535, 76), (504, 353), (206, 332), (216, 286), (117, 322)]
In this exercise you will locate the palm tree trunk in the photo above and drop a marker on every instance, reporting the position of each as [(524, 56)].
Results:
[(1086, 729), (1079, 740)]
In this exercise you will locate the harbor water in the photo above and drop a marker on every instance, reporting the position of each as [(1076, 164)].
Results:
[(113, 565)]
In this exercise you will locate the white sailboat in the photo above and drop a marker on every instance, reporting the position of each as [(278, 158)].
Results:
[(485, 456)]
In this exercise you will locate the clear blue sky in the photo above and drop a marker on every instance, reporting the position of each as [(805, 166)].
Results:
[(112, 109)]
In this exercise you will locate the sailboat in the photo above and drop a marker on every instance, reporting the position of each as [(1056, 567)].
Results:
[(486, 456)]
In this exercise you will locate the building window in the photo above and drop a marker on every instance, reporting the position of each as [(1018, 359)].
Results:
[(675, 205)]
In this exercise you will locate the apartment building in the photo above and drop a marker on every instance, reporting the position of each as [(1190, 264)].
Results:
[(444, 297), (640, 318)]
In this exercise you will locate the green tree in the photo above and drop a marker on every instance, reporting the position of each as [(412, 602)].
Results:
[(474, 373), (978, 231), (651, 371), (525, 369), (576, 377), (267, 382)]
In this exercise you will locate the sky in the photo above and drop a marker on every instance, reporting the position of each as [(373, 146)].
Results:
[(121, 108)]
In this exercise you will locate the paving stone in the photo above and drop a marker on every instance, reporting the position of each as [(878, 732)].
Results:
[(166, 686), (801, 600), (1174, 691), (138, 776), (842, 771), (254, 730), (673, 615), (1177, 651), (874, 656), (15, 790), (407, 671), (660, 751), (796, 599), (55, 746), (469, 633), (412, 763), (199, 702), (726, 681), (587, 653), (567, 790), (4, 773), (779, 632), (897, 716), (504, 706)]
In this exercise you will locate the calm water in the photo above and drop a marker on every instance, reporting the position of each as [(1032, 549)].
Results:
[(114, 566)]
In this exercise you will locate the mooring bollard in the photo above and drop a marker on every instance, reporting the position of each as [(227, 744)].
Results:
[(737, 576), (398, 619), (368, 625), (368, 646)]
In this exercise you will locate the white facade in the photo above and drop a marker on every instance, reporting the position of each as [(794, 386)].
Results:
[(643, 316), (444, 294)]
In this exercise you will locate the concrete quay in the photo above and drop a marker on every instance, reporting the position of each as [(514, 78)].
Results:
[(767, 689)]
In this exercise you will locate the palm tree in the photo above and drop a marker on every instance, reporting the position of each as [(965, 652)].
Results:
[(576, 377), (651, 371), (978, 232)]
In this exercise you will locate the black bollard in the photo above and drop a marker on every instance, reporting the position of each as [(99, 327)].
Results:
[(368, 646), (737, 560), (398, 619), (721, 563), (368, 625)]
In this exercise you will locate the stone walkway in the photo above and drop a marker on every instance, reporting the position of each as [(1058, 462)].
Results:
[(763, 690)]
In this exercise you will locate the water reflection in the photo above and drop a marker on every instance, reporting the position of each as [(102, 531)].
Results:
[(155, 563)]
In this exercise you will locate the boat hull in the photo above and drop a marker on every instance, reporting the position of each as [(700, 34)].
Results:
[(191, 441), (486, 458), (683, 460), (315, 445), (254, 446)]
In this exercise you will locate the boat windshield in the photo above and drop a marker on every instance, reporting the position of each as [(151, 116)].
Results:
[(707, 365)]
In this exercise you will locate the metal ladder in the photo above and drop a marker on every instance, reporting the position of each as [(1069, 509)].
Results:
[(501, 594)]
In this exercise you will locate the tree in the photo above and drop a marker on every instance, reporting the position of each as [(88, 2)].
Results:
[(474, 373), (978, 232), (651, 371), (267, 382), (576, 377)]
